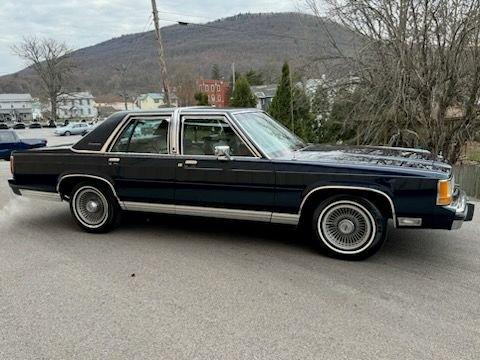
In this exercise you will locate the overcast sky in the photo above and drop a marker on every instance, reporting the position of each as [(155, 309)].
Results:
[(82, 23)]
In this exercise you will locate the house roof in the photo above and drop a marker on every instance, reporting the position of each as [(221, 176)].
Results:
[(15, 97), (77, 95), (155, 96)]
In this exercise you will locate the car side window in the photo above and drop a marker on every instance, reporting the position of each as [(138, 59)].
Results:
[(144, 136), (201, 136)]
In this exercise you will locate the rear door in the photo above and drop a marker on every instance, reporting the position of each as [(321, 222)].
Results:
[(245, 181), (144, 168)]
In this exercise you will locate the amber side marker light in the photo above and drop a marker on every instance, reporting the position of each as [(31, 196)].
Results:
[(445, 192)]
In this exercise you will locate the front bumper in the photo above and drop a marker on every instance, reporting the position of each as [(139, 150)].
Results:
[(462, 208)]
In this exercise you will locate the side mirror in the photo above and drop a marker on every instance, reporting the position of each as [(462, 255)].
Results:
[(223, 152)]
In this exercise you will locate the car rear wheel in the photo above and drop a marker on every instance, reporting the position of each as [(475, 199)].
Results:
[(349, 227), (94, 208)]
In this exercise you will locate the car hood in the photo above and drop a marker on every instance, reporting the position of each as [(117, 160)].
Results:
[(377, 156)]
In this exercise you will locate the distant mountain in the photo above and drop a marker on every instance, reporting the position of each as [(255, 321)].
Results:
[(253, 41)]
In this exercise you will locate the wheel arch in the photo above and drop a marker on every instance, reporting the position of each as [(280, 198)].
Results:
[(380, 198), (66, 183)]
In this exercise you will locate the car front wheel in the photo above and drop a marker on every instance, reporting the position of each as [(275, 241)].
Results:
[(94, 207), (67, 133), (349, 227)]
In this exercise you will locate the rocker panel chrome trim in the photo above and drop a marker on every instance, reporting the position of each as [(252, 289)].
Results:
[(40, 195), (327, 187), (222, 213), (284, 218)]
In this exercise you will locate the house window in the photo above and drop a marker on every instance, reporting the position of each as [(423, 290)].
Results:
[(89, 111), (88, 101), (219, 97), (213, 97), (201, 87), (212, 87), (218, 88), (156, 101)]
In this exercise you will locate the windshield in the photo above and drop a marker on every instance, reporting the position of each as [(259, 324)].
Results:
[(272, 138)]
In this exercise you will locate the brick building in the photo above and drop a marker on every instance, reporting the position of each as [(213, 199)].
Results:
[(217, 91)]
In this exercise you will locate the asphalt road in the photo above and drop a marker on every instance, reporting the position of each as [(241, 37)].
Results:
[(226, 290)]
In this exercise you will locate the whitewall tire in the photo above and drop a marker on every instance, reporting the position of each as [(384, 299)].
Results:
[(349, 227)]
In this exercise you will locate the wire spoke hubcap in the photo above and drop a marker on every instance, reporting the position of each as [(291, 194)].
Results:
[(91, 206), (346, 226)]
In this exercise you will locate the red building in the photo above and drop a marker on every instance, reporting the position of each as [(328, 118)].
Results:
[(217, 91)]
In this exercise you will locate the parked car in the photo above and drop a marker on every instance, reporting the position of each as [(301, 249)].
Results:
[(73, 129), (35, 125), (3, 126), (19, 126), (242, 164), (9, 141)]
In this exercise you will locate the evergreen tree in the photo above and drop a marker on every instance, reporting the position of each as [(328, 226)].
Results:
[(305, 124), (281, 103), (242, 96), (254, 78), (201, 98), (216, 75)]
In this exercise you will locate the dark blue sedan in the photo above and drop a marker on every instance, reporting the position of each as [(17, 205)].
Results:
[(9, 141)]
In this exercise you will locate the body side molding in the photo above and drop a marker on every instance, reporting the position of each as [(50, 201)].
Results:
[(340, 187)]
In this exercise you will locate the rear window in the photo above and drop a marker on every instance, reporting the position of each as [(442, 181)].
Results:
[(7, 137)]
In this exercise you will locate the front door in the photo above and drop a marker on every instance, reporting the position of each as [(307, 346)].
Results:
[(145, 171), (204, 180)]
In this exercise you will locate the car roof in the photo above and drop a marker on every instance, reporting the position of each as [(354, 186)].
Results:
[(192, 109)]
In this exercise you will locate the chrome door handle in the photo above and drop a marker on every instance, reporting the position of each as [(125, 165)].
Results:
[(191, 162), (113, 161)]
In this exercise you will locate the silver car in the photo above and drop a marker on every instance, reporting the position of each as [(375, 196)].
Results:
[(73, 129)]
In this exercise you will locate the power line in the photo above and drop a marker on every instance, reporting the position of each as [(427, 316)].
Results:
[(136, 43)]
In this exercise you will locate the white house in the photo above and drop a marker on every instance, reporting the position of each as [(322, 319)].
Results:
[(15, 107), (76, 105), (152, 101)]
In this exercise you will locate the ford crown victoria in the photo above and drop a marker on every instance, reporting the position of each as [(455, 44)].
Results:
[(242, 164)]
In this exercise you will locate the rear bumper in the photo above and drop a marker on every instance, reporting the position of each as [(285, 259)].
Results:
[(462, 209), (34, 193)]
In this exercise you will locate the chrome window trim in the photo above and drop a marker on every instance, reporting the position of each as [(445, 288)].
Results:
[(222, 117), (392, 205), (63, 177), (114, 133), (124, 125)]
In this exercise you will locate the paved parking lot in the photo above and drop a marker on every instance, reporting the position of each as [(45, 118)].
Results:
[(181, 288)]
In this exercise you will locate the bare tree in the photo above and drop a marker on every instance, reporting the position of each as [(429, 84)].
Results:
[(184, 84), (51, 61), (418, 69), (122, 72)]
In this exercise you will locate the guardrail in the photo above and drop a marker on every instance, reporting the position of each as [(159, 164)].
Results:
[(468, 177)]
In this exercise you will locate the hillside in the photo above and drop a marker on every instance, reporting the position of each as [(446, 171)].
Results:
[(252, 41)]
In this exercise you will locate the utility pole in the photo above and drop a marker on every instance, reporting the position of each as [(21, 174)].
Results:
[(161, 54), (233, 76)]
